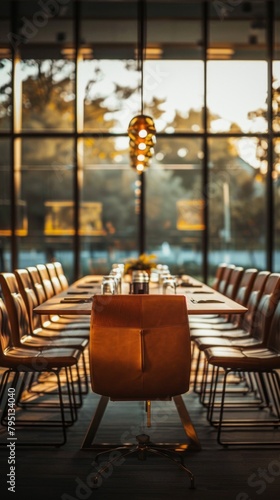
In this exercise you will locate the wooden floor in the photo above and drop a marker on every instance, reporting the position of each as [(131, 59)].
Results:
[(44, 473)]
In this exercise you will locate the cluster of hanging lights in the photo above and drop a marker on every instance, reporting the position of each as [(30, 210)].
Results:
[(141, 129)]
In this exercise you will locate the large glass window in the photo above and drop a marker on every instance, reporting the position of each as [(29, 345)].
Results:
[(174, 205), (5, 92), (237, 206), (46, 189), (5, 206), (47, 94), (70, 85), (109, 207)]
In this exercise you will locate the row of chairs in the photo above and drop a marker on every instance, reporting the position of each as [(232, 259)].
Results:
[(128, 340), (44, 358), (239, 355)]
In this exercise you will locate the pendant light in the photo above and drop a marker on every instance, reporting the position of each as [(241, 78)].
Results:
[(141, 129)]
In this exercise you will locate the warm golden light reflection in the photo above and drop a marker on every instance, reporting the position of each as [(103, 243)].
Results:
[(17, 96), (190, 215), (141, 132), (22, 221), (220, 53), (59, 218)]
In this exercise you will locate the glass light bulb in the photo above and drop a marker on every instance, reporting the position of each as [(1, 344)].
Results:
[(142, 146), (142, 133)]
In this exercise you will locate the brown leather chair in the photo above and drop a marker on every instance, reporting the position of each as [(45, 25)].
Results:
[(218, 275), (224, 283), (231, 290), (45, 291), (139, 351), (244, 324), (257, 333), (262, 362), (25, 332), (234, 322), (244, 288), (25, 329), (20, 361), (43, 322), (61, 275)]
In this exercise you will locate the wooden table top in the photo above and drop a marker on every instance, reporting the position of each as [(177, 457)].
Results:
[(200, 298)]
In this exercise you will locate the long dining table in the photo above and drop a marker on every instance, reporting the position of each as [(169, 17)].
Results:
[(200, 299)]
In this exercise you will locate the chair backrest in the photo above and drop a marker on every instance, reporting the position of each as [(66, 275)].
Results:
[(61, 275), (45, 280), (22, 318), (9, 287), (8, 283), (218, 275), (30, 298), (139, 346), (274, 334), (36, 281), (23, 279), (33, 295), (38, 284), (5, 331), (53, 277), (243, 292), (232, 286), (24, 283), (225, 278), (17, 311), (254, 298), (266, 308)]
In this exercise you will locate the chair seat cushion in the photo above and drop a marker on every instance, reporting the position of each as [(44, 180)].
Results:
[(259, 359)]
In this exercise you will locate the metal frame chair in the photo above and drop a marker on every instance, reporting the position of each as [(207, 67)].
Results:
[(140, 351), (20, 362)]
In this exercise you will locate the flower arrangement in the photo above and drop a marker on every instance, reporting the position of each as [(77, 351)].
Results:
[(144, 262)]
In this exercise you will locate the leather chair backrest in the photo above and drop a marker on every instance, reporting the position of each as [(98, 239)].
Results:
[(218, 275), (53, 277), (5, 331), (139, 346), (22, 318), (225, 278), (233, 283), (61, 275), (31, 302), (274, 334), (17, 312), (266, 308), (255, 295), (36, 279), (9, 286), (243, 293), (45, 280), (23, 278)]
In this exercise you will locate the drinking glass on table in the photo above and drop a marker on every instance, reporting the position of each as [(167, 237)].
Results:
[(116, 273), (108, 285), (169, 282)]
